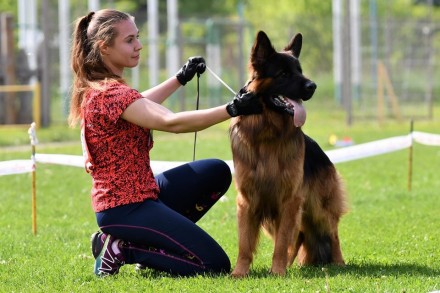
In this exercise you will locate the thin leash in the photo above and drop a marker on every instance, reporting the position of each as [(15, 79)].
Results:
[(197, 107), (221, 81), (198, 100)]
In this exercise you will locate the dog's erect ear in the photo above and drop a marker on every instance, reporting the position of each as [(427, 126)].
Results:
[(295, 45), (262, 49)]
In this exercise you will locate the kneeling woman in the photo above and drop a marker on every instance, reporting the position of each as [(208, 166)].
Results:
[(143, 219)]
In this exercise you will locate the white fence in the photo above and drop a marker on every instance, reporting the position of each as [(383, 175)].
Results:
[(340, 155), (345, 154)]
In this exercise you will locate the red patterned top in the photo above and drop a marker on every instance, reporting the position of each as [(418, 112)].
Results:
[(119, 150)]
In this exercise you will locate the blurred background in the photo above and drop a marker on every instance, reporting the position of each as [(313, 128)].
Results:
[(373, 59)]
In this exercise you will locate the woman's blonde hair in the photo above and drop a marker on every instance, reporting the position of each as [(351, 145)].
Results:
[(91, 31)]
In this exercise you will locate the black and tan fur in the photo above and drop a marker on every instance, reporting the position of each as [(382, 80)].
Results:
[(285, 181)]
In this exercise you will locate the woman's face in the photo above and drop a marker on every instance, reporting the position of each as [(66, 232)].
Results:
[(124, 52)]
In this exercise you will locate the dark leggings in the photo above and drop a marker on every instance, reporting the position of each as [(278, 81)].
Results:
[(162, 234)]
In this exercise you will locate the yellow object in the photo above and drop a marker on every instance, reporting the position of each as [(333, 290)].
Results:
[(332, 139)]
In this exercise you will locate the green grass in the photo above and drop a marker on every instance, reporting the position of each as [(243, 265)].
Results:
[(390, 238)]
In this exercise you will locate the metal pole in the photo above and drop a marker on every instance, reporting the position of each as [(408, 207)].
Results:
[(373, 39), (355, 37), (241, 59), (337, 48), (27, 19), (93, 5), (153, 32), (45, 82), (27, 14), (64, 32), (172, 48), (346, 77), (431, 63)]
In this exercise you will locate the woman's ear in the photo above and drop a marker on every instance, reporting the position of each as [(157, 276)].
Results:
[(103, 48)]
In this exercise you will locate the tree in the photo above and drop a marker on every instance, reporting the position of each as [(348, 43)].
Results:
[(282, 19)]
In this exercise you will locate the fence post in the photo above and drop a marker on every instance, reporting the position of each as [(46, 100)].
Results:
[(410, 158), (34, 141)]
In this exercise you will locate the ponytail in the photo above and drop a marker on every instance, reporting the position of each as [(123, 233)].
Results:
[(81, 46), (89, 70)]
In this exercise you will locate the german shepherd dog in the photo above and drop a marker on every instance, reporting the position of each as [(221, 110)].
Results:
[(285, 181)]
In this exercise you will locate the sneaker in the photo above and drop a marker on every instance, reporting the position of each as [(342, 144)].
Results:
[(108, 256), (97, 243)]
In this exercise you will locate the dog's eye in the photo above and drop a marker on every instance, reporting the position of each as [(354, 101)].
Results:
[(283, 74)]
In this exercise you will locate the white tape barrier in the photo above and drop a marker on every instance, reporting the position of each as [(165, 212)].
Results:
[(15, 167), (426, 138), (78, 161), (345, 154), (68, 160), (25, 166), (369, 149)]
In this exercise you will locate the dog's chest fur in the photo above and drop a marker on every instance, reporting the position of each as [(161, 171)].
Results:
[(268, 155)]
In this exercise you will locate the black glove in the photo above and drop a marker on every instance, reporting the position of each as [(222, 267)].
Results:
[(192, 66), (244, 103)]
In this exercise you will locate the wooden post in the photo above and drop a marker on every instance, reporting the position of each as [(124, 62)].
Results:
[(384, 83), (34, 195), (34, 141), (410, 158), (380, 94)]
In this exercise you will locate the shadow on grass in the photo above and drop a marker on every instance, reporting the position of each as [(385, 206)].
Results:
[(369, 270), (361, 270)]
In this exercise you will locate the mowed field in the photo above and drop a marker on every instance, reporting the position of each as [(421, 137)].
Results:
[(390, 237)]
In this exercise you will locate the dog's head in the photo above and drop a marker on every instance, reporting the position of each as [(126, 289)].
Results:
[(277, 77)]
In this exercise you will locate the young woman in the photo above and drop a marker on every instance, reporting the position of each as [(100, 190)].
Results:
[(144, 219)]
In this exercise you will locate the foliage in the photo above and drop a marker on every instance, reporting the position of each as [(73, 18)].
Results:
[(8, 6), (207, 8), (400, 8), (284, 18)]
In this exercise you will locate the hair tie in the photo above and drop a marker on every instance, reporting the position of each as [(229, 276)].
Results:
[(85, 22), (89, 17)]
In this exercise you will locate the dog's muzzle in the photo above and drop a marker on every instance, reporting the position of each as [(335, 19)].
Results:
[(309, 90)]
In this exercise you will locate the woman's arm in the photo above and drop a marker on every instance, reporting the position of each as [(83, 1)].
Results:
[(162, 91), (148, 114)]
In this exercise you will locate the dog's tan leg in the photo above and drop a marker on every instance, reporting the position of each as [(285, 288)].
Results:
[(292, 252), (287, 231), (336, 248), (248, 230)]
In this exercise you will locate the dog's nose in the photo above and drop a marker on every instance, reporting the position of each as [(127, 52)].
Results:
[(310, 86), (309, 90)]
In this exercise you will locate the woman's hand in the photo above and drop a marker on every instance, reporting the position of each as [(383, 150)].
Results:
[(192, 66), (244, 103)]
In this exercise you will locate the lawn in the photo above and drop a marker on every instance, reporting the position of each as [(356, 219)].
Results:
[(390, 238)]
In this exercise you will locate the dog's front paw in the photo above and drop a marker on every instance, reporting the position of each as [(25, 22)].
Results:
[(339, 262), (278, 271), (240, 272)]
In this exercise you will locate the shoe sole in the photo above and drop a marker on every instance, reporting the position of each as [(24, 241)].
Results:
[(96, 239)]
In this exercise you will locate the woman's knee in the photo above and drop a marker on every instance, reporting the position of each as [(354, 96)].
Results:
[(219, 264), (222, 172)]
